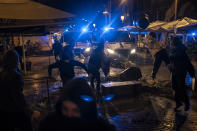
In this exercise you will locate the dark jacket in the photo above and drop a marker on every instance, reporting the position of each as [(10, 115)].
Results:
[(57, 48), (180, 62), (96, 60), (66, 69), (68, 52), (106, 66), (19, 50), (11, 94), (56, 122), (160, 56)]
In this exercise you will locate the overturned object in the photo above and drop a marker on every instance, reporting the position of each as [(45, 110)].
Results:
[(130, 74), (121, 89)]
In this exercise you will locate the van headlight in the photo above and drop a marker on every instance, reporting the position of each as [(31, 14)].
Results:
[(133, 51), (110, 51), (87, 49)]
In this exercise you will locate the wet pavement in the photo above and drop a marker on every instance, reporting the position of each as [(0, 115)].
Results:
[(156, 114), (147, 112)]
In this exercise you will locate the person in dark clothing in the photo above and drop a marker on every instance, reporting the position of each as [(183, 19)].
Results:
[(94, 65), (180, 65), (19, 50), (66, 68), (76, 110), (68, 51), (13, 108), (57, 49), (160, 56)]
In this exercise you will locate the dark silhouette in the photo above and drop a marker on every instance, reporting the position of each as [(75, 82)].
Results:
[(13, 109), (68, 51), (66, 68), (76, 110), (57, 49), (160, 56), (19, 50), (94, 65), (106, 66), (180, 66)]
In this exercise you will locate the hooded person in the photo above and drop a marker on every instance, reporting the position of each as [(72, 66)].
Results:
[(13, 108), (76, 110)]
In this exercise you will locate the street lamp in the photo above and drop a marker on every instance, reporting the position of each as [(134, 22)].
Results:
[(123, 2), (105, 12)]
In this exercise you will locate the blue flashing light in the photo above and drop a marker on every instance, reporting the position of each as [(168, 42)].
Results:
[(66, 30), (136, 23), (106, 29), (87, 98), (133, 22), (84, 29), (193, 34), (124, 29)]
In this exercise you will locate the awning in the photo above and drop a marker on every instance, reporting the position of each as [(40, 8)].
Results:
[(29, 10), (155, 26), (189, 28), (22, 16), (131, 28), (175, 25)]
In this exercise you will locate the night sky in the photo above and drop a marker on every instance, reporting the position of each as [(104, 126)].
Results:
[(81, 8), (89, 8)]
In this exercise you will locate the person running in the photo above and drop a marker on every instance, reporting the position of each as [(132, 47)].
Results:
[(95, 62), (66, 68), (57, 49)]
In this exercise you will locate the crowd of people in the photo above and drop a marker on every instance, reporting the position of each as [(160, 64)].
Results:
[(76, 108), (66, 63)]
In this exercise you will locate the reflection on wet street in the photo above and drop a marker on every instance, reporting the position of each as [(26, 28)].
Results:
[(152, 118), (150, 111)]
